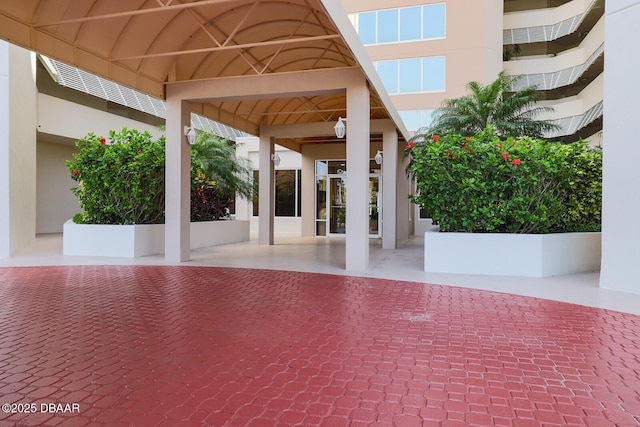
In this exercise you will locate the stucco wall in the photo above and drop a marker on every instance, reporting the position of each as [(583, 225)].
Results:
[(55, 201)]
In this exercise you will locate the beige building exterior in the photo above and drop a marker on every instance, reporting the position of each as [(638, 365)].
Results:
[(556, 45)]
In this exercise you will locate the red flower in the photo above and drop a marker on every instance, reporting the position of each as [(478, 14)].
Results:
[(505, 156), (464, 145), (496, 204), (448, 153), (515, 162), (526, 148), (453, 157), (513, 143), (469, 151), (75, 172), (410, 144), (103, 141), (435, 138), (499, 145), (139, 152), (468, 138)]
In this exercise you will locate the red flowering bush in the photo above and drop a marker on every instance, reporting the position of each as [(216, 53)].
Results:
[(481, 183), (120, 181)]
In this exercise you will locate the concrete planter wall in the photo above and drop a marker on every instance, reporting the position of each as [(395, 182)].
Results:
[(531, 255), (130, 241)]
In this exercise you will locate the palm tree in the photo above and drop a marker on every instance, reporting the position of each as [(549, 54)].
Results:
[(215, 158), (510, 113)]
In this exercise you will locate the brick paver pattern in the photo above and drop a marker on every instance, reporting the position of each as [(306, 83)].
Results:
[(148, 345)]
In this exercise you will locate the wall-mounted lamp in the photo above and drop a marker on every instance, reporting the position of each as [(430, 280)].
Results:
[(276, 159), (340, 128), (191, 134), (378, 157)]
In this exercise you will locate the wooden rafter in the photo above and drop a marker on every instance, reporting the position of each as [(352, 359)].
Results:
[(166, 8), (231, 47)]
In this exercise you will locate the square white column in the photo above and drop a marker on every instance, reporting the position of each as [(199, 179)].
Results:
[(389, 171), (357, 235), (620, 195), (177, 183), (18, 124), (266, 190)]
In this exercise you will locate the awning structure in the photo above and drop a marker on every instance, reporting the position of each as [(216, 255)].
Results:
[(147, 44), (250, 64)]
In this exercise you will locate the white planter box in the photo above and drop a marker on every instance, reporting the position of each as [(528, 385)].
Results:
[(531, 255), (130, 241)]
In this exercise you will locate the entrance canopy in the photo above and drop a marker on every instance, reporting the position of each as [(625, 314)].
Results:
[(150, 44)]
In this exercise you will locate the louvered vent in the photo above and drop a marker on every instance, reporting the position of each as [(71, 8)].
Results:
[(544, 33), (565, 77), (82, 81), (571, 125)]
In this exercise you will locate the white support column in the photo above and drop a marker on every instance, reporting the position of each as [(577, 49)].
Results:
[(266, 208), (620, 196), (389, 171), (177, 239), (357, 235), (18, 123)]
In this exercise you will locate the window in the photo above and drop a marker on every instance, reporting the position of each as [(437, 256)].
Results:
[(388, 26), (413, 75), (288, 195), (416, 119), (401, 24), (433, 21), (433, 74)]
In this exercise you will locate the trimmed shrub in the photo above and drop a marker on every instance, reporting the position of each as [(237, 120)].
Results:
[(486, 184), (120, 180)]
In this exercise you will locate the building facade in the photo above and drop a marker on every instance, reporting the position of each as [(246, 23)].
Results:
[(423, 52), (426, 51)]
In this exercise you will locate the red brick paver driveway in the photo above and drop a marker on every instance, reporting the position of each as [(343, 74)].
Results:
[(105, 345)]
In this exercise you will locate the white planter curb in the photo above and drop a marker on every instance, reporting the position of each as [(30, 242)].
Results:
[(529, 255), (131, 241)]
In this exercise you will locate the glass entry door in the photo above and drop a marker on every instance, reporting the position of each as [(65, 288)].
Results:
[(375, 206), (331, 199), (337, 204)]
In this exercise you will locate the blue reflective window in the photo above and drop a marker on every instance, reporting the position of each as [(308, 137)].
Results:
[(433, 74), (410, 75), (367, 27), (388, 72), (434, 19), (414, 120), (411, 119), (410, 23), (388, 26)]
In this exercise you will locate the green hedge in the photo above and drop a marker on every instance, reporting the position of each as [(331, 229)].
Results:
[(484, 184), (120, 181)]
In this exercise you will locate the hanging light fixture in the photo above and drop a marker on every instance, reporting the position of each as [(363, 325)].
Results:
[(340, 128), (191, 134), (276, 159)]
